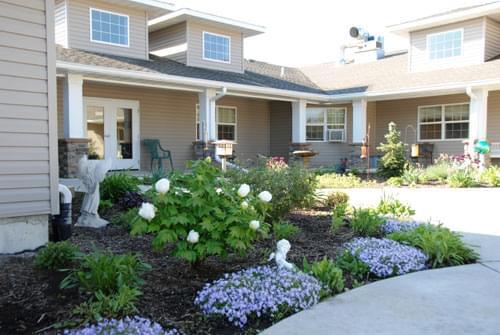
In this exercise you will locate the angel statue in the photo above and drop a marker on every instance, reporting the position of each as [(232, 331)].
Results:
[(282, 248), (91, 173)]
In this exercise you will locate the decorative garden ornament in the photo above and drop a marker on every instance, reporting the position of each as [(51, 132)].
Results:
[(91, 173), (282, 248)]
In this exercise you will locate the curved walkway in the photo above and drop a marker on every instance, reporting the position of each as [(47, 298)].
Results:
[(456, 300)]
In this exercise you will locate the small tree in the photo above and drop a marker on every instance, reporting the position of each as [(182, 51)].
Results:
[(393, 161)]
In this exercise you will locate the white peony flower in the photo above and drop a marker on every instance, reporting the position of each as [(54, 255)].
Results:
[(265, 196), (254, 224), (219, 190), (162, 186), (147, 211), (244, 205), (243, 190), (193, 237)]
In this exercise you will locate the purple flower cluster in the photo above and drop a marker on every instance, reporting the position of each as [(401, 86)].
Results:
[(386, 257), (127, 326), (396, 226), (258, 291)]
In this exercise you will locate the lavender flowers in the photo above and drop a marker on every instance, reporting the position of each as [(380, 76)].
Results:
[(386, 257), (127, 326), (258, 291), (396, 226)]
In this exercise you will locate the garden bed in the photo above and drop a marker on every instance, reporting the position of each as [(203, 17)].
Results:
[(31, 301)]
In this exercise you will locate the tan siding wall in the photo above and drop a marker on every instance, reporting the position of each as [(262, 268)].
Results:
[(61, 27), (26, 74), (173, 36), (79, 29), (404, 114), (492, 48), (281, 128), (494, 116), (473, 46), (195, 48)]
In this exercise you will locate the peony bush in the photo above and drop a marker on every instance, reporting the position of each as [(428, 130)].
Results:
[(203, 214)]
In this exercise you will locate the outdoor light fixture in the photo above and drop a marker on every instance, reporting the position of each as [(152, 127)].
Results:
[(224, 149)]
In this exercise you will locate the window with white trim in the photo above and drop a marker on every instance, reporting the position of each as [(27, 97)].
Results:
[(443, 122), (216, 47), (320, 120), (445, 45), (225, 118), (108, 27)]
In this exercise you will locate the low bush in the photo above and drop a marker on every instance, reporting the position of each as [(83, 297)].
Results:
[(366, 222), (386, 257), (436, 172), (115, 185), (336, 198), (262, 291), (328, 274), (126, 219), (463, 178), (441, 245), (395, 226), (412, 175), (353, 267), (335, 180), (57, 255), (284, 230), (491, 176), (392, 207), (126, 326), (395, 181), (339, 215), (131, 200)]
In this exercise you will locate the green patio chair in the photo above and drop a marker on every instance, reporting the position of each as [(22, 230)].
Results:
[(157, 153)]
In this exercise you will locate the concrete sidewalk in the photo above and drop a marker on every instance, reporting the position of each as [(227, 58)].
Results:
[(456, 300)]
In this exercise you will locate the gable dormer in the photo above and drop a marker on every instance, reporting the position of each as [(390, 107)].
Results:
[(201, 40)]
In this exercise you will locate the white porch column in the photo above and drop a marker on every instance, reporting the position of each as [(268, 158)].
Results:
[(478, 116), (208, 129), (359, 120), (74, 123), (299, 121)]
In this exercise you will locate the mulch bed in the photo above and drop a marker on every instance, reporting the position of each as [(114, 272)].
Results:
[(30, 300)]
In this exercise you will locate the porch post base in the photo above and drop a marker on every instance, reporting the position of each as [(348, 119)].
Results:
[(70, 152)]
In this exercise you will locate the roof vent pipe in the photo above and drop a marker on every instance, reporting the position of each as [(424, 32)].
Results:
[(282, 73)]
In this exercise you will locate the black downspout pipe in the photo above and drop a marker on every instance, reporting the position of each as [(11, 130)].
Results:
[(62, 223)]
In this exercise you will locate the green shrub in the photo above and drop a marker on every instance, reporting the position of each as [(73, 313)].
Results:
[(55, 256), (336, 198), (328, 274), (126, 219), (335, 180), (393, 161), (395, 181), (436, 172), (412, 176), (202, 214), (357, 270), (491, 176), (115, 185), (284, 230), (393, 207), (339, 215), (463, 178), (292, 187), (366, 222), (444, 247)]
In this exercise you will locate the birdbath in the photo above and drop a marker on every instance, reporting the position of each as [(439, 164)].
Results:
[(305, 155)]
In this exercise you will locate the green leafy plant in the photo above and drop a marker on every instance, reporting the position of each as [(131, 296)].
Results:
[(339, 215), (395, 181), (366, 222), (436, 172), (202, 214), (328, 274), (115, 185), (441, 245), (126, 219), (284, 230), (491, 176), (463, 178), (393, 161), (354, 268), (336, 198), (394, 208), (336, 180), (105, 204), (57, 255), (412, 175)]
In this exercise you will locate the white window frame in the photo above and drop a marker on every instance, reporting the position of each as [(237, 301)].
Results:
[(428, 45), (443, 123), (197, 121), (104, 42), (325, 124), (211, 59)]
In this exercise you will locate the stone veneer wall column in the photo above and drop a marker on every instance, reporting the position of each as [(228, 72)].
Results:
[(70, 152)]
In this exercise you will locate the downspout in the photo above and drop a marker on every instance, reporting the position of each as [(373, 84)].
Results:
[(221, 94), (469, 92), (62, 223)]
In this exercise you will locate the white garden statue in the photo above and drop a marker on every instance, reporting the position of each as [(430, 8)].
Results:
[(91, 173), (282, 248)]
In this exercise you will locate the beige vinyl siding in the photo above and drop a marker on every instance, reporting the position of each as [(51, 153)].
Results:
[(28, 147), (195, 48), (472, 47), (61, 23), (492, 39), (78, 12), (405, 113), (493, 133), (174, 36), (281, 128)]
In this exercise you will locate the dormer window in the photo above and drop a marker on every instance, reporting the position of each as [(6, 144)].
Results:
[(109, 28), (445, 44), (216, 47)]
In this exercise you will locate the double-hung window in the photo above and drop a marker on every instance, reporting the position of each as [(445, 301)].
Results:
[(226, 123), (443, 122), (109, 28), (326, 124), (445, 45), (216, 47)]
